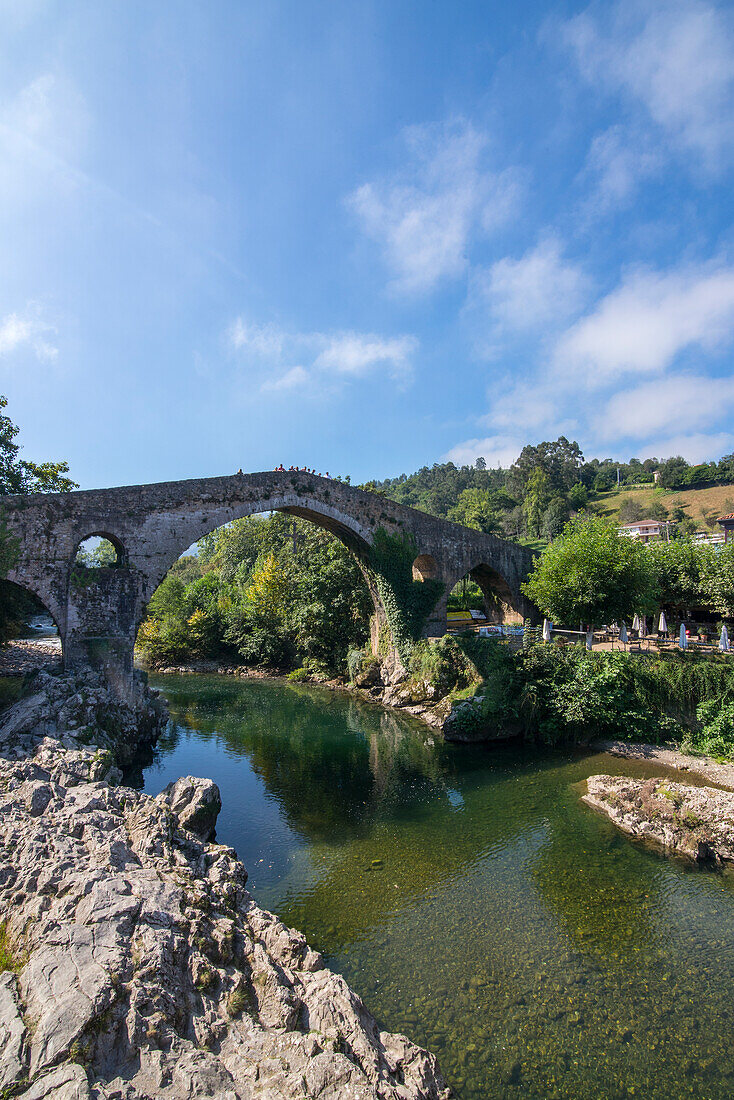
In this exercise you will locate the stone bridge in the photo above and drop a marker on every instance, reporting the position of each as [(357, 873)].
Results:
[(98, 614)]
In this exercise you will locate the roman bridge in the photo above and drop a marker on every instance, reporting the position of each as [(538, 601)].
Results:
[(150, 527)]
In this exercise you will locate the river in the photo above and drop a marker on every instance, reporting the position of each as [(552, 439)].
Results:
[(467, 894)]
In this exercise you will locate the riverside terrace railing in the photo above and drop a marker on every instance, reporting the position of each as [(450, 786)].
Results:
[(528, 634)]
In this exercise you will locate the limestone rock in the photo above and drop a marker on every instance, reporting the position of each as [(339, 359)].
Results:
[(148, 962), (79, 708), (68, 1082), (697, 822), (195, 803), (13, 1065)]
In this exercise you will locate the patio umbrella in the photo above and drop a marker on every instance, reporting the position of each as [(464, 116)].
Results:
[(663, 624), (636, 622), (546, 630), (623, 634), (643, 627), (589, 638), (724, 640), (683, 636)]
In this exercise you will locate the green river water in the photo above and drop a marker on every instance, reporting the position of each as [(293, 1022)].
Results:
[(467, 894)]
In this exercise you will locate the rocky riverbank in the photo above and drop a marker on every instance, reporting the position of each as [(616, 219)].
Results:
[(696, 822), (137, 964)]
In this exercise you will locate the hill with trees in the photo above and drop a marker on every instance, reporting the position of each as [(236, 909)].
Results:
[(551, 482)]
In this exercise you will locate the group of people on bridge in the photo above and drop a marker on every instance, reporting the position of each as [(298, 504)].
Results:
[(298, 470)]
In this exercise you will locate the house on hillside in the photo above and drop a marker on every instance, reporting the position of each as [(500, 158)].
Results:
[(646, 530), (727, 522)]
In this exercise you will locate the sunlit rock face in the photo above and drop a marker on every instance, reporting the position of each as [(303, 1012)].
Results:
[(140, 964), (697, 822)]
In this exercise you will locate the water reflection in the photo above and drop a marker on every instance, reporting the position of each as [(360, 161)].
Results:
[(467, 893)]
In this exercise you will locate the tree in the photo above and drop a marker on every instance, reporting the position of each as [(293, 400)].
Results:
[(592, 574), (680, 566), (717, 579), (18, 475), (630, 510), (673, 472), (475, 508), (561, 461), (578, 496), (538, 494), (555, 518)]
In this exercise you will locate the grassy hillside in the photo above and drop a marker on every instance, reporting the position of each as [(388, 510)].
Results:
[(697, 503)]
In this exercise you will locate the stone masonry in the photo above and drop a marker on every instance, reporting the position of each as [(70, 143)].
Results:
[(152, 525)]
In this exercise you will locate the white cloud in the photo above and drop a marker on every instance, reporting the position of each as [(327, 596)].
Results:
[(423, 217), (262, 340), (356, 354), (291, 380), (698, 447), (643, 325), (19, 331), (618, 160), (286, 360), (540, 290), (497, 450), (666, 406), (675, 59)]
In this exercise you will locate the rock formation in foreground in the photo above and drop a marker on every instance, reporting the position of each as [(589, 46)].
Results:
[(142, 968), (697, 822)]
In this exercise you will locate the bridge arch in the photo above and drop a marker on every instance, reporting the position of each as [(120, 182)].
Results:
[(187, 529), (501, 602), (114, 541), (11, 592), (425, 568)]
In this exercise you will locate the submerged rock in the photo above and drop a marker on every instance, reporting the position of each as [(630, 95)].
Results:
[(145, 968), (697, 822)]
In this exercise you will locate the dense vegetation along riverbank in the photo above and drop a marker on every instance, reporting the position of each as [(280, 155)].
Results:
[(135, 962)]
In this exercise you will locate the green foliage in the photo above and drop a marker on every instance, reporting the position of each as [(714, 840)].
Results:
[(103, 555), (465, 595), (717, 579), (537, 497), (578, 496), (682, 568), (477, 508), (551, 694), (715, 734), (10, 959), (11, 690), (19, 475), (592, 574), (257, 595), (407, 602)]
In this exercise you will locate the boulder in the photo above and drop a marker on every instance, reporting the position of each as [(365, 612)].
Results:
[(195, 803)]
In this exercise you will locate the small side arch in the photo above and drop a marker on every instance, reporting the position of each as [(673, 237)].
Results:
[(501, 604), (425, 568), (104, 536)]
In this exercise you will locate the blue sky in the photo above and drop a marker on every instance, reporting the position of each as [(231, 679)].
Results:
[(364, 237)]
